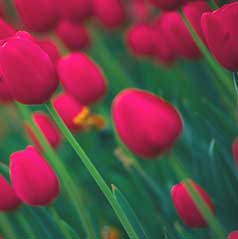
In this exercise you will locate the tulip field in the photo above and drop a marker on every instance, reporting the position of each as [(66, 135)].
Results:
[(118, 119)]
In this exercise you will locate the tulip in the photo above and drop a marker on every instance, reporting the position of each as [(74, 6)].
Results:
[(50, 48), (48, 129), (8, 200), (38, 16), (168, 4), (75, 115), (233, 235), (186, 207), (220, 32), (139, 10), (82, 78), (33, 179), (111, 13), (146, 123), (5, 30), (5, 95), (141, 39), (74, 35), (28, 70), (75, 10), (235, 151)]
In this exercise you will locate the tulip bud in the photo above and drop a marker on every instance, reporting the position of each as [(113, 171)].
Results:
[(74, 35), (139, 10), (76, 116), (111, 13), (235, 151), (8, 200), (141, 39), (33, 179), (82, 78), (50, 48), (38, 16), (221, 34), (146, 123), (186, 207), (5, 30), (75, 10), (28, 70), (48, 129), (168, 4), (233, 235)]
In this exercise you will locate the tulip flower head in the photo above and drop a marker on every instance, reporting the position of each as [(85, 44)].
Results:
[(233, 235), (146, 123), (27, 70), (6, 30), (168, 4), (75, 115), (38, 16), (82, 78), (8, 200), (139, 10), (33, 179), (47, 127), (74, 35), (220, 31), (187, 208)]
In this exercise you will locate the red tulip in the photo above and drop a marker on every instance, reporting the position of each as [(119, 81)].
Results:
[(221, 33), (141, 39), (75, 115), (28, 70), (139, 10), (47, 127), (235, 151), (5, 95), (33, 179), (38, 16), (147, 124), (75, 10), (82, 78), (8, 200), (50, 48), (233, 235), (168, 4), (74, 35), (6, 30), (186, 207), (111, 13)]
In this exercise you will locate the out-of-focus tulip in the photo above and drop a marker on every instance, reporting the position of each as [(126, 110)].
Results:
[(6, 30), (186, 207), (233, 235), (141, 39), (146, 123), (168, 4), (220, 32), (139, 10), (47, 127), (74, 35), (75, 10), (50, 48), (28, 70), (33, 179), (82, 78), (110, 232), (235, 151), (111, 13), (75, 115), (8, 200), (38, 16)]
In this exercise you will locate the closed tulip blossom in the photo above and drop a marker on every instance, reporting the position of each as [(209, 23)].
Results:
[(27, 70), (75, 115), (235, 151), (146, 123), (82, 78), (74, 35), (6, 30), (33, 179), (48, 129), (168, 4), (38, 16), (220, 31), (187, 208), (111, 13), (139, 10), (75, 10), (8, 200), (233, 235)]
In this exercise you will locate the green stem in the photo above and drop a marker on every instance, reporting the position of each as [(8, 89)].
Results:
[(71, 189), (8, 231), (213, 4), (94, 173), (26, 226)]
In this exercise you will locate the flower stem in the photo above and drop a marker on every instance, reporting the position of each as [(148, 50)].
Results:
[(94, 173)]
